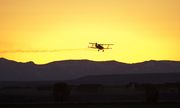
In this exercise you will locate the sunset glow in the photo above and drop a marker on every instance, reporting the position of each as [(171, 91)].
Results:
[(140, 30)]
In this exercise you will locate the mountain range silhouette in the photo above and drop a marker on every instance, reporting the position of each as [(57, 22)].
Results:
[(90, 71)]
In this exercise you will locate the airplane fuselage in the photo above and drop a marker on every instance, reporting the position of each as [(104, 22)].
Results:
[(99, 47)]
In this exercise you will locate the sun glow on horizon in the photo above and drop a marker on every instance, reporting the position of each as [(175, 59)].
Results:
[(140, 29)]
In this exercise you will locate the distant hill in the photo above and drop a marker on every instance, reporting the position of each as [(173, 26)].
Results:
[(124, 79), (73, 69)]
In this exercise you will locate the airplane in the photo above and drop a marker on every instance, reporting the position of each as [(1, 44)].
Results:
[(100, 46)]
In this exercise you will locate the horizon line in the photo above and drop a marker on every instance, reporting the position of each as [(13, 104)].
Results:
[(87, 60)]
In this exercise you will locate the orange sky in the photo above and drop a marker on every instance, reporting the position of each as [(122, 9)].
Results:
[(140, 29)]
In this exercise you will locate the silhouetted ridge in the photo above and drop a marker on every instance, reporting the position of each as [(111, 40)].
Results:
[(73, 69), (3, 60)]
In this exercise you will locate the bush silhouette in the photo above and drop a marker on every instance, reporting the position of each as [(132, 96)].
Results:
[(61, 91)]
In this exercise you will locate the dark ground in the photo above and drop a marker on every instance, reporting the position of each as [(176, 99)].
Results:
[(91, 96), (92, 105)]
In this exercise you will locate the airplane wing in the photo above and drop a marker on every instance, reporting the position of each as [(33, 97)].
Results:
[(99, 44), (106, 44), (92, 45)]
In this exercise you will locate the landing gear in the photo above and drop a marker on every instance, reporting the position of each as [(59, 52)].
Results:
[(100, 50)]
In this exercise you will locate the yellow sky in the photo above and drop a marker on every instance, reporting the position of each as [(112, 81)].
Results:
[(140, 29)]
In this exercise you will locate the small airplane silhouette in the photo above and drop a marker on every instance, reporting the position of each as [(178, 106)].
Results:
[(100, 46)]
